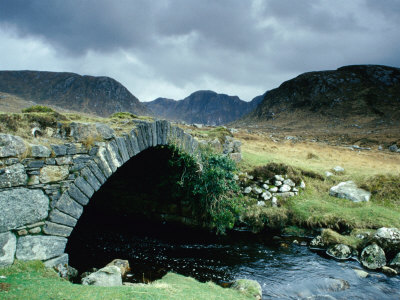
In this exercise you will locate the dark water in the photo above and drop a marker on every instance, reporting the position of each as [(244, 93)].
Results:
[(284, 270)]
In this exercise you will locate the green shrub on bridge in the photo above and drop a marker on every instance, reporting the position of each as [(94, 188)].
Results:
[(208, 183)]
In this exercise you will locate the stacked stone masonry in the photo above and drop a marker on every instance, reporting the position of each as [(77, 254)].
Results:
[(43, 195)]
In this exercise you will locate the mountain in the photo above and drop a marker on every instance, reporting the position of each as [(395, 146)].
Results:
[(359, 95), (97, 95), (204, 107)]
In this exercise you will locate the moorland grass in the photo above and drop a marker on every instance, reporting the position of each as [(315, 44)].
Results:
[(31, 280)]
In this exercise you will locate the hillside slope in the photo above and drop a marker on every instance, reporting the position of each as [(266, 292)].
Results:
[(205, 107), (97, 95), (359, 95)]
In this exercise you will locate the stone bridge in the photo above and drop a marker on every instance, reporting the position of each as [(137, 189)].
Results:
[(44, 188)]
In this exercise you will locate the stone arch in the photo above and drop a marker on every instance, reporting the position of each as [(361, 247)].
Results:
[(90, 171)]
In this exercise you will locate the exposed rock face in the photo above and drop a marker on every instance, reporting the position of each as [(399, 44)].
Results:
[(40, 151), (107, 276), (8, 243), (248, 287), (395, 263), (349, 190), (13, 175), (204, 107), (40, 247), (388, 239), (22, 206), (339, 251), (11, 145), (99, 95), (373, 257)]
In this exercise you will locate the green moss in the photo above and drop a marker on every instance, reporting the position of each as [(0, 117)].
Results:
[(330, 237), (37, 108), (31, 280), (123, 115)]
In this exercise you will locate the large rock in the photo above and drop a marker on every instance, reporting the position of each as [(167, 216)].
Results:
[(339, 251), (388, 239), (317, 242), (40, 247), (11, 145), (8, 243), (53, 173), (349, 190), (122, 264), (14, 175), (22, 206), (373, 257), (248, 287), (107, 276)]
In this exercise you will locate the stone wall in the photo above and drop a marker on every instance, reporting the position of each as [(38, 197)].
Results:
[(43, 194)]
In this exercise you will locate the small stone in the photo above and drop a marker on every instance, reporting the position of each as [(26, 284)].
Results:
[(279, 178), (328, 174), (317, 242), (338, 169), (274, 202), (284, 188), (302, 185), (278, 183), (35, 230), (393, 148), (122, 264), (22, 232), (63, 160), (260, 203), (361, 273), (59, 150), (389, 271), (289, 182), (339, 251), (248, 190), (265, 186), (257, 190), (273, 189), (266, 195)]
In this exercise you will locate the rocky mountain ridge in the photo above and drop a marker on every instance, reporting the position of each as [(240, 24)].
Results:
[(204, 107), (89, 94), (368, 94)]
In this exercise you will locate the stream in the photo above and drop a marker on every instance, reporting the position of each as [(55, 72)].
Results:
[(285, 270)]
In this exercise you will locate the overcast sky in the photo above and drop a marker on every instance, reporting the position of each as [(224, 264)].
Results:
[(166, 48)]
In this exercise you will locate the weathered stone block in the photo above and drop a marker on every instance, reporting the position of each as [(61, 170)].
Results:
[(64, 160), (53, 173), (105, 131), (59, 260), (75, 193), (81, 158), (134, 142), (59, 150), (114, 158), (84, 186), (14, 175), (91, 178), (51, 228), (128, 144), (107, 276), (22, 206), (59, 217), (40, 247), (122, 148), (40, 151), (101, 161), (8, 243), (97, 172), (35, 164), (153, 129), (11, 145), (69, 206)]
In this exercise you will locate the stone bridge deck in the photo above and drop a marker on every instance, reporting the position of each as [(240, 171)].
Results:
[(43, 194)]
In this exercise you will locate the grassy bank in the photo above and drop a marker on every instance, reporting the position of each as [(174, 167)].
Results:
[(374, 170), (31, 280)]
